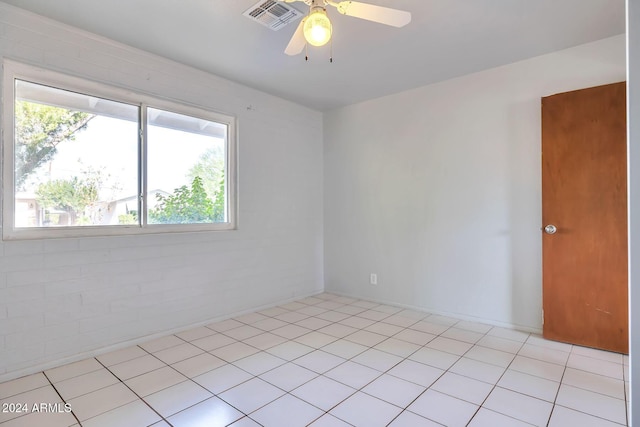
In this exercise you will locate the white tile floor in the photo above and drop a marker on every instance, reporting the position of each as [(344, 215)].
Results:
[(331, 361)]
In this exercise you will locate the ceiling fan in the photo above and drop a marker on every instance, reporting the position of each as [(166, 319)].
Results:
[(315, 29)]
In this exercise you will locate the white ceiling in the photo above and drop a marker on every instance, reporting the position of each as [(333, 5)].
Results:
[(446, 38)]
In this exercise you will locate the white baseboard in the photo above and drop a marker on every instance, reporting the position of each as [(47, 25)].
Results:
[(124, 344), (459, 316)]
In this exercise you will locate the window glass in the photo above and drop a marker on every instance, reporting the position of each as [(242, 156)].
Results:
[(75, 159), (186, 169), (86, 159)]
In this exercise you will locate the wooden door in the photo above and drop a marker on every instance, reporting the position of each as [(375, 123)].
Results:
[(584, 195)]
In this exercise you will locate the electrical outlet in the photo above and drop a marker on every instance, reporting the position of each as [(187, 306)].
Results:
[(373, 279)]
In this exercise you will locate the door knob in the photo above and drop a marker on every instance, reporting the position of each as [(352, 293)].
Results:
[(550, 229)]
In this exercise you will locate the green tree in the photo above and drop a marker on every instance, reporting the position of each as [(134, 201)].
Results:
[(78, 195), (210, 170), (128, 218), (39, 129), (186, 205), (219, 202), (73, 196)]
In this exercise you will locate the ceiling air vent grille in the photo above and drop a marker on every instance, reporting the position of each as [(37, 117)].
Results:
[(272, 14)]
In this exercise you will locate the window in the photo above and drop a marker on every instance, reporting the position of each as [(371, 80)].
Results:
[(86, 159)]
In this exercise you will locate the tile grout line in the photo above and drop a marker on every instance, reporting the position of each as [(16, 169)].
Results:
[(495, 385), (436, 380), (403, 359), (216, 395), (407, 357), (345, 361), (445, 371), (139, 397), (289, 361), (555, 399), (626, 403), (258, 376), (62, 398)]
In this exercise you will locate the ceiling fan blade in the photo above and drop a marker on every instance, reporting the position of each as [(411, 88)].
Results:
[(370, 12), (297, 42)]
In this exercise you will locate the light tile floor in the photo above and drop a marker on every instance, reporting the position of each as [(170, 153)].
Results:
[(330, 361)]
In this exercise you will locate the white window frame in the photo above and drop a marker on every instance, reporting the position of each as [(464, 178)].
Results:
[(15, 70)]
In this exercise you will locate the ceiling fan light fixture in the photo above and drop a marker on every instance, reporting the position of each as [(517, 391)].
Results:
[(317, 28)]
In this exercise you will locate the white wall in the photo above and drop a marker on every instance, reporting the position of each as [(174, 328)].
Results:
[(633, 115), (62, 298), (438, 189)]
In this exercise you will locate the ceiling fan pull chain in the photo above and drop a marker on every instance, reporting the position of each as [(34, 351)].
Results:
[(331, 51)]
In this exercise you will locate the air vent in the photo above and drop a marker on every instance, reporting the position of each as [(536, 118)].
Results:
[(273, 14)]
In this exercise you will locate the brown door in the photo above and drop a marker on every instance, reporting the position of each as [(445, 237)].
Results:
[(584, 196)]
